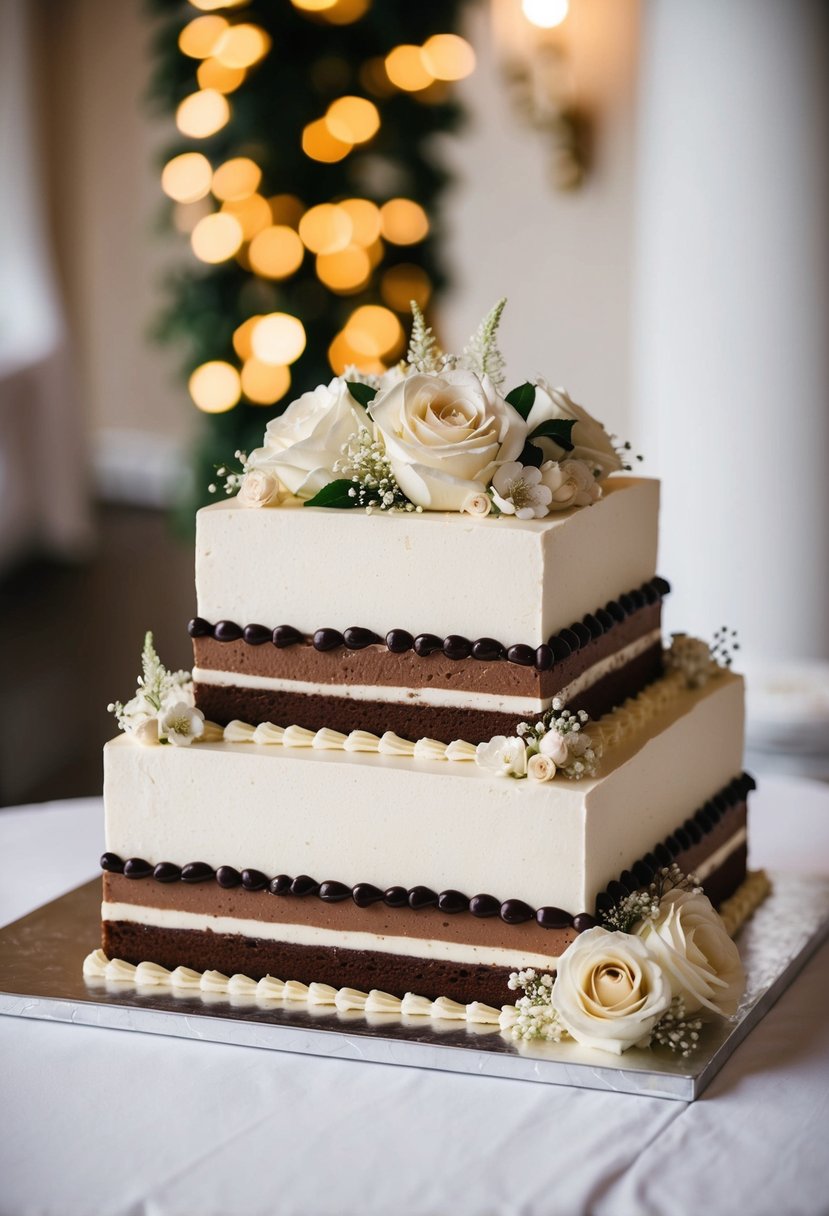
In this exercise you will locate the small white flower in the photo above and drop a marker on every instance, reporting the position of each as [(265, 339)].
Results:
[(541, 768), (571, 484), (502, 756), (518, 491), (554, 747), (180, 724), (592, 444), (146, 732), (478, 503)]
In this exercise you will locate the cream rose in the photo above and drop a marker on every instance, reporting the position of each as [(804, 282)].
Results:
[(259, 488), (541, 768), (502, 756), (478, 503), (609, 992), (592, 443), (303, 444), (554, 746), (689, 942), (571, 484), (445, 435)]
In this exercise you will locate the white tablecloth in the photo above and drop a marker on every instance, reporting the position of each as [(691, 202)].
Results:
[(101, 1121)]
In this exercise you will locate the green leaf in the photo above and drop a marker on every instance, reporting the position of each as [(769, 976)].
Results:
[(522, 399), (335, 494), (363, 393), (532, 455), (557, 429)]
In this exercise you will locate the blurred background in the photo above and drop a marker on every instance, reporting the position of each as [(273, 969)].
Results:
[(208, 207)]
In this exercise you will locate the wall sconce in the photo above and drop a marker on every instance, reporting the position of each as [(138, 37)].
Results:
[(532, 38)]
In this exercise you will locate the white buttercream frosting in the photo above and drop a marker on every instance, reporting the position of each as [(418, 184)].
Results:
[(298, 736), (239, 732), (392, 745)]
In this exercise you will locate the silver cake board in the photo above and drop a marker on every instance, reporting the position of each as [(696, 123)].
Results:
[(41, 958)]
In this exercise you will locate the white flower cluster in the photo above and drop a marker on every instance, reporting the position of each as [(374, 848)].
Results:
[(692, 658), (556, 743), (433, 434), (617, 989), (162, 709)]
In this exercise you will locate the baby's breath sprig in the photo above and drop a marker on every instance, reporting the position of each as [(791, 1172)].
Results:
[(583, 754), (724, 645), (364, 461), (644, 904), (676, 1031), (624, 450), (230, 480), (156, 685), (536, 1018)]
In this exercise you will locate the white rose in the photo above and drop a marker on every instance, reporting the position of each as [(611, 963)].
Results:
[(541, 768), (689, 941), (502, 756), (478, 503), (555, 747), (609, 992), (303, 444), (571, 484), (259, 488), (591, 441), (445, 435)]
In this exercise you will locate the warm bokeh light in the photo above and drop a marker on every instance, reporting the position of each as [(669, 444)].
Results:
[(342, 355), (546, 14), (313, 6), (403, 283), (365, 219), (187, 178), (286, 209), (373, 331), (319, 143), (187, 215), (406, 68), (374, 78), (346, 271), (278, 338), (208, 6), (241, 46), (264, 383), (200, 35), (448, 57), (216, 237), (252, 213), (236, 179), (202, 114), (242, 338), (215, 387), (326, 228), (376, 252), (403, 222), (352, 119), (346, 11), (214, 75), (276, 252)]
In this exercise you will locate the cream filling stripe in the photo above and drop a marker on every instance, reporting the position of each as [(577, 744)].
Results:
[(312, 935), (715, 860), (454, 698)]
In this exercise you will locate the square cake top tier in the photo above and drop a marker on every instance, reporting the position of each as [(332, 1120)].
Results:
[(518, 581)]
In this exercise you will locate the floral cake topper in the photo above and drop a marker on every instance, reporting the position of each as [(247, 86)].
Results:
[(433, 433), (162, 709)]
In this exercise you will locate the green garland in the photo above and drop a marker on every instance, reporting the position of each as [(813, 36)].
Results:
[(310, 63)]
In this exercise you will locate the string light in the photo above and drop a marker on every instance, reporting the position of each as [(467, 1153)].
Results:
[(341, 354), (313, 6), (406, 68), (200, 35), (352, 119), (236, 179), (214, 75), (215, 387), (326, 228), (264, 383), (365, 219), (278, 338), (186, 178), (241, 46), (276, 252), (253, 214), (344, 272), (403, 283), (202, 114), (286, 209), (216, 237), (320, 144), (546, 14), (373, 331), (448, 57), (242, 338), (403, 222), (207, 6), (343, 12)]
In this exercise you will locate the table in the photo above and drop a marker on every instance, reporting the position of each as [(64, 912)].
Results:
[(105, 1122)]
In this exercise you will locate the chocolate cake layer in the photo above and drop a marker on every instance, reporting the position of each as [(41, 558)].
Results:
[(426, 923), (410, 720), (377, 665), (256, 958)]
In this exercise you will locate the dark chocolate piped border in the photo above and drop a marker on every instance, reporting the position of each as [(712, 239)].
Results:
[(455, 646), (692, 831)]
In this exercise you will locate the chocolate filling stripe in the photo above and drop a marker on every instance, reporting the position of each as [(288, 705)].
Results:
[(455, 647)]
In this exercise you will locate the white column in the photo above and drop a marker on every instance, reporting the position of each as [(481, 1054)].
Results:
[(731, 371)]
